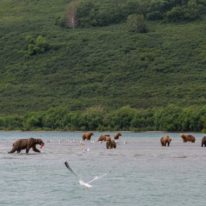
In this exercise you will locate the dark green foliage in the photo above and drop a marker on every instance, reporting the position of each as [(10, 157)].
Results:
[(121, 119), (36, 45), (170, 118), (102, 67), (32, 120), (11, 122), (176, 10), (136, 23), (60, 21), (180, 13), (86, 14), (95, 13)]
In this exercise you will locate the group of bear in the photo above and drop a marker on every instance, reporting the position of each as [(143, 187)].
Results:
[(31, 143), (166, 140), (110, 143), (27, 144)]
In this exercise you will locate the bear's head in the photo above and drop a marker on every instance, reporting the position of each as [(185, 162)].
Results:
[(40, 142)]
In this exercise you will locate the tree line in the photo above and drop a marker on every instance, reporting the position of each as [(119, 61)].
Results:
[(170, 118), (87, 13)]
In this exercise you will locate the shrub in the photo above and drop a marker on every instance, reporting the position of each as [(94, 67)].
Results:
[(189, 12), (168, 118), (60, 21), (37, 45), (86, 14), (121, 119), (136, 23), (11, 122), (92, 118)]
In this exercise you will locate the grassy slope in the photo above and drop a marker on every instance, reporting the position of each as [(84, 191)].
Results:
[(98, 66)]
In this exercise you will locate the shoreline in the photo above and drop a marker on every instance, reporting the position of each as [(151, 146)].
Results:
[(102, 131)]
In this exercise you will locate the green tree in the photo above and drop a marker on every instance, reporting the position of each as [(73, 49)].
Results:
[(93, 118), (168, 118), (136, 23), (121, 119), (86, 14), (32, 121), (36, 46)]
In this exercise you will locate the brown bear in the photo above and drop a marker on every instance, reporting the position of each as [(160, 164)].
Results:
[(204, 141), (111, 144), (87, 136), (27, 144), (117, 135), (165, 141), (104, 138), (188, 138)]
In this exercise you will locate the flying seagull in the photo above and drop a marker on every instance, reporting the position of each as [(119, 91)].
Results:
[(81, 182)]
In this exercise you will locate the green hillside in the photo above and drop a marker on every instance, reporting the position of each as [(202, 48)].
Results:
[(101, 64)]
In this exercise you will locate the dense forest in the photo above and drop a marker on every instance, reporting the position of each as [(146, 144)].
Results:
[(103, 65)]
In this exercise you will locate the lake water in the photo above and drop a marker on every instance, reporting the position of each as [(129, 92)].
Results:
[(140, 172)]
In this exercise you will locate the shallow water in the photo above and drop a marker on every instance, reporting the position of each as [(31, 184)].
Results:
[(140, 172)]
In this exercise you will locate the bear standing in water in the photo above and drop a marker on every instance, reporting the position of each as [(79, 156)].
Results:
[(111, 144), (27, 144), (203, 141), (188, 138), (165, 141), (87, 136)]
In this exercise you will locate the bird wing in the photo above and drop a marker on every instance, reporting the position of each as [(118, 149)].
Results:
[(70, 169), (85, 184), (96, 178)]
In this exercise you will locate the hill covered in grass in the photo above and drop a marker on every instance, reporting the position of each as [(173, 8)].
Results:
[(98, 62)]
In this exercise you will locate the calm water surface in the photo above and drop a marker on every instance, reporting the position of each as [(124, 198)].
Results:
[(140, 172)]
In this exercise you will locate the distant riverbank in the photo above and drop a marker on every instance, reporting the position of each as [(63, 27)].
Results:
[(170, 118)]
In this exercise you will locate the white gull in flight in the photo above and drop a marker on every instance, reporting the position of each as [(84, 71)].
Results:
[(81, 182)]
